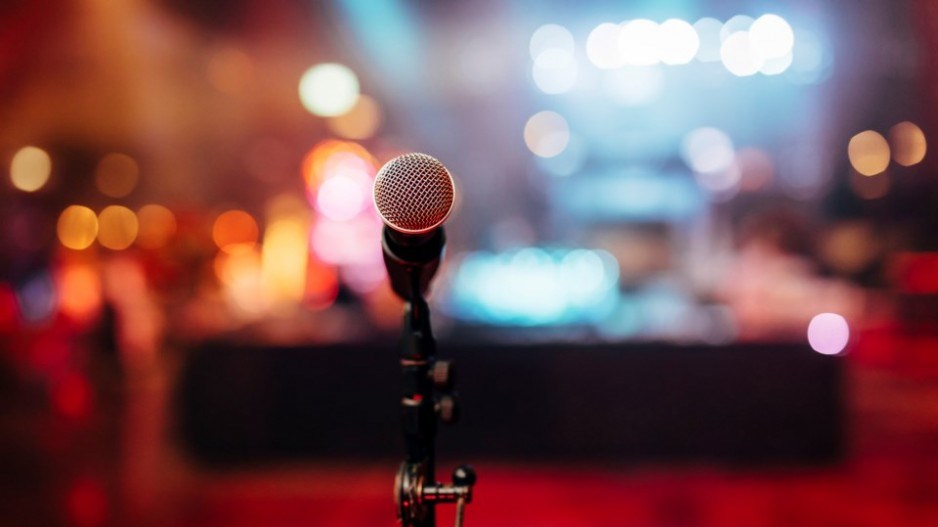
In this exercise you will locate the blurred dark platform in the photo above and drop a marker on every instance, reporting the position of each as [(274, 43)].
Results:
[(649, 402)]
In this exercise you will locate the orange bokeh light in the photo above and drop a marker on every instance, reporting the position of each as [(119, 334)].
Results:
[(157, 225), (77, 227), (322, 285), (79, 291), (117, 227), (316, 163), (234, 228), (116, 175)]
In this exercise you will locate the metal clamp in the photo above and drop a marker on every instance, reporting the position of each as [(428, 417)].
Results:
[(414, 497)]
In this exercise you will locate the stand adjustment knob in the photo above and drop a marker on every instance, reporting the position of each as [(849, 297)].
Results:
[(464, 476), (448, 408), (443, 374)]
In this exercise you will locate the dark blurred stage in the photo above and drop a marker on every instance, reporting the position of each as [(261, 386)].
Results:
[(765, 404), (884, 477)]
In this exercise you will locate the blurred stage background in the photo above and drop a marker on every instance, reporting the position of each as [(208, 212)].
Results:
[(691, 276)]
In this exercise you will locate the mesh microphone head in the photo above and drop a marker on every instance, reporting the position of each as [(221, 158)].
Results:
[(413, 193)]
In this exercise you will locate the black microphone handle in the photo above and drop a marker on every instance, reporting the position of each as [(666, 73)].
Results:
[(411, 258)]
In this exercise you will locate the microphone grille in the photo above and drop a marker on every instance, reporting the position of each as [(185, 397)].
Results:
[(413, 193)]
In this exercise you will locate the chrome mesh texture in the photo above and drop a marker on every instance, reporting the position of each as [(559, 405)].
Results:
[(413, 193)]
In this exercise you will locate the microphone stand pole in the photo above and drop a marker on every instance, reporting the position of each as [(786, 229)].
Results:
[(427, 392)]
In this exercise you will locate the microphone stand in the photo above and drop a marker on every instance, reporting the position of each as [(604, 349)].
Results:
[(427, 393)]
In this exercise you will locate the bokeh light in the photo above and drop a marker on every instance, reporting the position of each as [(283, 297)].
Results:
[(365, 277), (37, 298), (116, 175), (157, 226), (339, 178), (546, 134), (602, 46), (555, 71), (828, 333), (908, 143), (284, 258), (550, 37), (79, 285), (322, 285), (708, 33), (771, 37), (117, 227), (285, 252), (640, 42), (737, 55), (30, 168), (555, 68), (776, 65), (678, 41), (333, 156), (585, 274), (329, 89), (233, 228), (735, 24), (850, 247), (360, 122), (532, 286), (812, 58), (707, 150), (239, 271), (77, 227), (721, 184), (342, 197), (868, 152), (348, 242)]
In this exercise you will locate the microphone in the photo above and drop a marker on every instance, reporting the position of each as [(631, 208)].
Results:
[(414, 195)]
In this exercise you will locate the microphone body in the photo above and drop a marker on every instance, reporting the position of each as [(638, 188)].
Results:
[(414, 195), (412, 260)]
